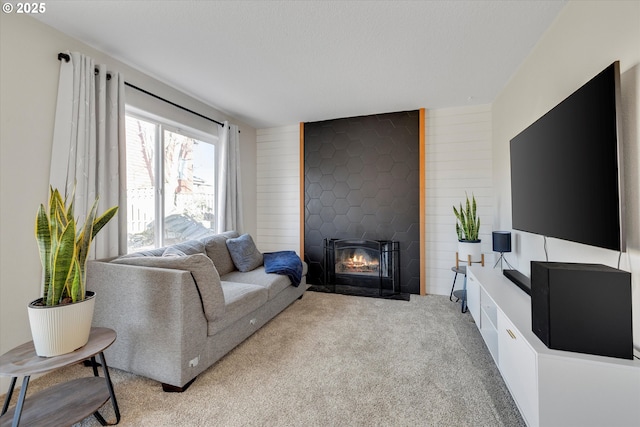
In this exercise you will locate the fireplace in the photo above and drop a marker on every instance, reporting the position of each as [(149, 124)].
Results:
[(362, 181), (362, 267)]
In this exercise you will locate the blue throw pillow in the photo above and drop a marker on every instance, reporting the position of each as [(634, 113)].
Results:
[(244, 253)]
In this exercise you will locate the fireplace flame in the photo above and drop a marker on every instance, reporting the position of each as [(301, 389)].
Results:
[(358, 263)]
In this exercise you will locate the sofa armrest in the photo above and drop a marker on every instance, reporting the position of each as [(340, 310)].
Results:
[(157, 315)]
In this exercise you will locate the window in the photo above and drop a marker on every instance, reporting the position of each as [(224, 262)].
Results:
[(170, 175)]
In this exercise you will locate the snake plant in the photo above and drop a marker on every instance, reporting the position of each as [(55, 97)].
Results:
[(468, 223), (64, 245)]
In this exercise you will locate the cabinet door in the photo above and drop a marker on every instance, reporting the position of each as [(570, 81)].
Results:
[(489, 324), (473, 297), (518, 365)]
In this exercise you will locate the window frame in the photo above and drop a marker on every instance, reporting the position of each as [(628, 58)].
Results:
[(163, 124)]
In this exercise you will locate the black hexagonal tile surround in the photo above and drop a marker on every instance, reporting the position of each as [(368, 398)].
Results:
[(362, 181)]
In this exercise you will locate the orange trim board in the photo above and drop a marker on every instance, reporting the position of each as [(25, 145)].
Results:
[(423, 183), (302, 190)]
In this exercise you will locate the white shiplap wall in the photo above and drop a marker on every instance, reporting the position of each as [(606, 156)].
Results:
[(278, 189), (458, 160)]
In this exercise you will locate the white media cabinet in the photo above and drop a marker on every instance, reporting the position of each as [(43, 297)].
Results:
[(550, 387)]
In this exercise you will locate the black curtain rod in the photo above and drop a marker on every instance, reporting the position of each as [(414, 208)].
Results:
[(67, 58), (172, 103)]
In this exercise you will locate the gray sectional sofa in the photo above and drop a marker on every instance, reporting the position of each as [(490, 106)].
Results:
[(179, 309)]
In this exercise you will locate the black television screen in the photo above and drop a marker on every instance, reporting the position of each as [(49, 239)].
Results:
[(566, 168)]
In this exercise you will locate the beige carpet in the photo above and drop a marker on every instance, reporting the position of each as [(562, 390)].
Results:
[(333, 360)]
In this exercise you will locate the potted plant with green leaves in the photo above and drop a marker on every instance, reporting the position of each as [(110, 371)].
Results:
[(467, 229), (61, 319)]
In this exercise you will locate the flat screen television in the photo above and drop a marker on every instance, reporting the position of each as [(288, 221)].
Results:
[(566, 168)]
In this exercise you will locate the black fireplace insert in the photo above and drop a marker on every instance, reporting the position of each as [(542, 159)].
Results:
[(362, 267)]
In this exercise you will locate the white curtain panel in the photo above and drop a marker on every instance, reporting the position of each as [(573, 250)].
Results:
[(89, 145), (229, 215)]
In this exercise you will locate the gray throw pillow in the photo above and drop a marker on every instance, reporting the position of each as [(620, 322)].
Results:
[(244, 253)]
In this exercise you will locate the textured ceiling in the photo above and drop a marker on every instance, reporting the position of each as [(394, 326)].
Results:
[(273, 63)]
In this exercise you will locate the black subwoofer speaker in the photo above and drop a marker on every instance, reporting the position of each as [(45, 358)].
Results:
[(585, 308)]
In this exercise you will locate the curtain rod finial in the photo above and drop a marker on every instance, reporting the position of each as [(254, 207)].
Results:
[(64, 56)]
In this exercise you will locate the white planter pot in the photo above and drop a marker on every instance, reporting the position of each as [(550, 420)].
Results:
[(466, 248), (61, 329)]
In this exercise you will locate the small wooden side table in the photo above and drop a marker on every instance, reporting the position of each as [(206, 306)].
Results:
[(63, 404)]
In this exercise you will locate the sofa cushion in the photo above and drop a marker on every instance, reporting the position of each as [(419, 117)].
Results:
[(189, 247), (147, 253), (216, 249), (240, 300), (173, 251), (244, 253), (274, 283), (203, 272)]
